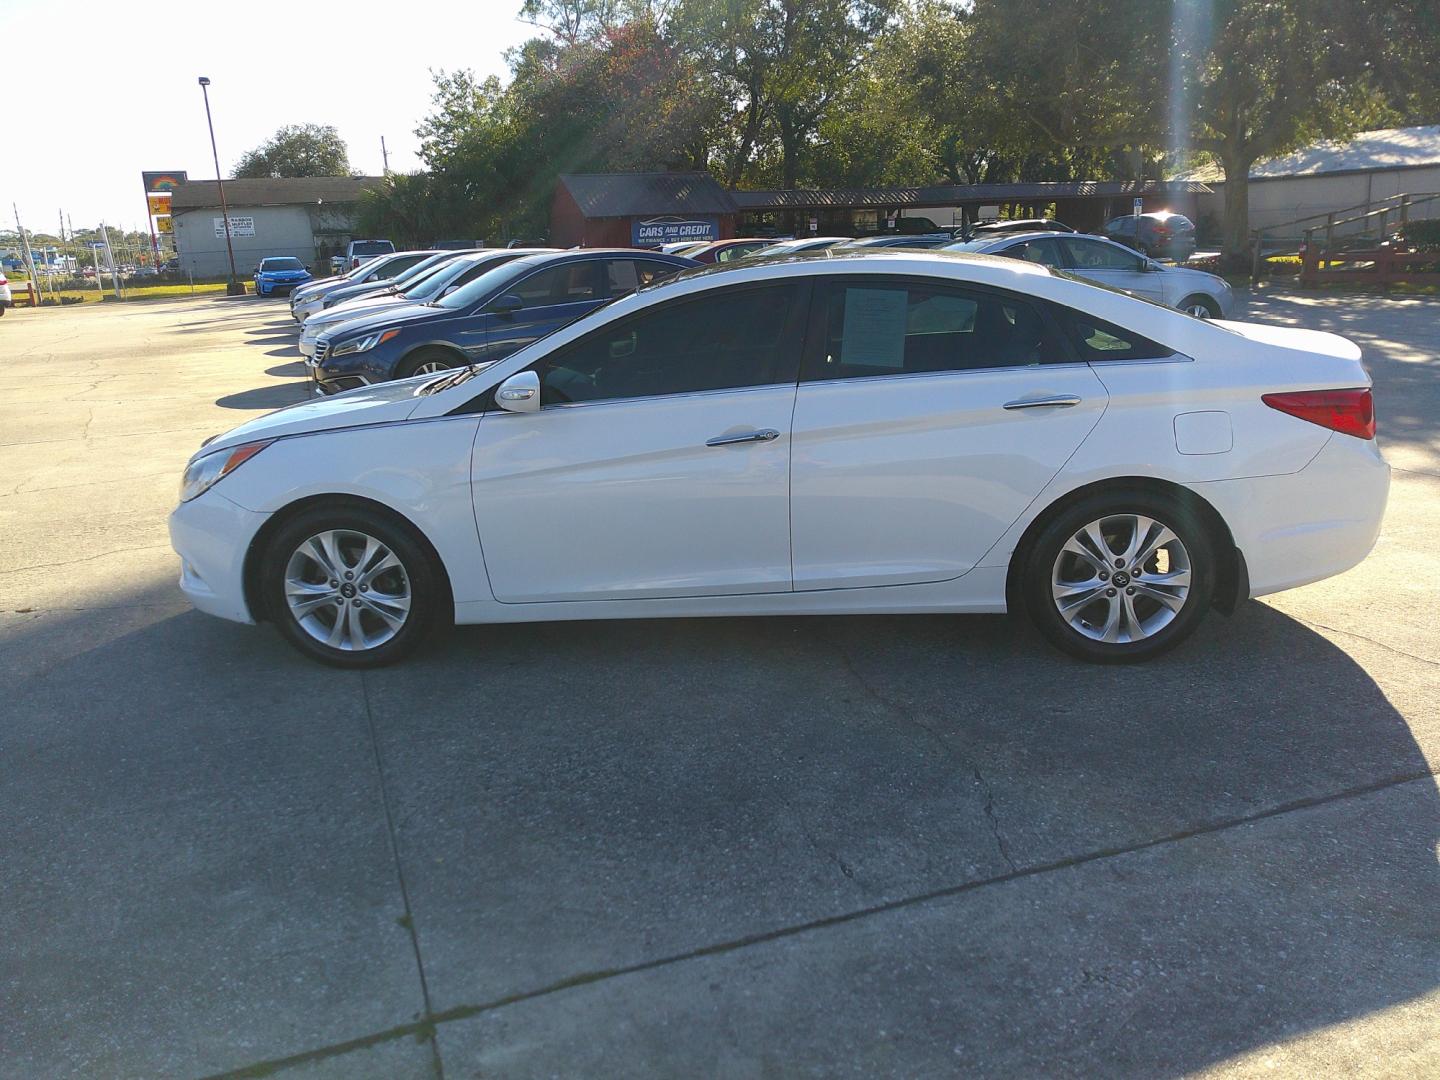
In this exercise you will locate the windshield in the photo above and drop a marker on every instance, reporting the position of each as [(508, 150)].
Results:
[(282, 264), (422, 268), (444, 275), (371, 247), (969, 245), (491, 281), (788, 247)]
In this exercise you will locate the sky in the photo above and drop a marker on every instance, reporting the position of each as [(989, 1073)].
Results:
[(114, 88)]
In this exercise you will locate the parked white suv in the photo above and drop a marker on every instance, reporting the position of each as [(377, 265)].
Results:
[(362, 251)]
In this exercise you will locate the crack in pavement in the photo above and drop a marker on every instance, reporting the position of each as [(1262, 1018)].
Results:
[(428, 1027), (1361, 637), (963, 760), (84, 559)]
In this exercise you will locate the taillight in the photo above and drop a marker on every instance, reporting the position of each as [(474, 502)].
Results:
[(1350, 412)]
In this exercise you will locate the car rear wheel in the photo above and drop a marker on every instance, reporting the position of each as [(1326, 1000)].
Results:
[(1120, 578), (350, 587), (425, 362), (1202, 307)]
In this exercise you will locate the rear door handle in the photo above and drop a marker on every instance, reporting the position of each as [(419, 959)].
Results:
[(743, 436), (1059, 401)]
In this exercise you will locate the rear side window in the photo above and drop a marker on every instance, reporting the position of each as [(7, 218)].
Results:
[(1046, 252), (896, 329), (1095, 339), (624, 276)]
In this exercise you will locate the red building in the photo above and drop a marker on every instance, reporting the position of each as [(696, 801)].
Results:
[(639, 209)]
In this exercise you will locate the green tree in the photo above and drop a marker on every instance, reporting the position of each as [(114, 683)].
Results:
[(297, 150)]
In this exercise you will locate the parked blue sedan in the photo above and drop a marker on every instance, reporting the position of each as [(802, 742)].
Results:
[(278, 275), (498, 313)]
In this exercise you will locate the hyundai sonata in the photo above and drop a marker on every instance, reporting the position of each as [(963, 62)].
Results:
[(890, 432)]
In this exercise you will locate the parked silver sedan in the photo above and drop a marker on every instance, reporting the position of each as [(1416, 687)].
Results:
[(1108, 263)]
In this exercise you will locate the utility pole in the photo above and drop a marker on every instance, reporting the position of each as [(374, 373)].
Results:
[(25, 247), (385, 155), (110, 259), (234, 288)]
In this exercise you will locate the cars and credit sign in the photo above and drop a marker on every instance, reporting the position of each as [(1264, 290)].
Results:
[(653, 232)]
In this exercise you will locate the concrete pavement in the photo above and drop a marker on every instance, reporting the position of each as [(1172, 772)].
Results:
[(829, 847)]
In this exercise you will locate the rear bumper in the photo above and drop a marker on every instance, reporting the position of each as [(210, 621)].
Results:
[(1310, 525), (211, 535)]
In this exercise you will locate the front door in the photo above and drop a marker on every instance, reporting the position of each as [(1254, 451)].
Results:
[(1111, 264), (659, 462), (927, 419)]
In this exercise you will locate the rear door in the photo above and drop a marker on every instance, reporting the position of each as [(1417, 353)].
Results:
[(928, 418), (1114, 265)]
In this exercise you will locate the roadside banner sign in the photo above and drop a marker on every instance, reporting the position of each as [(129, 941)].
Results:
[(239, 226), (652, 232), (164, 225), (159, 203)]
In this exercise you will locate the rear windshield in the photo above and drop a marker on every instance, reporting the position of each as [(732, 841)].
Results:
[(282, 264), (371, 247)]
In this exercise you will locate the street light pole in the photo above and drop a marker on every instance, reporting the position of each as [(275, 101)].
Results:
[(234, 288)]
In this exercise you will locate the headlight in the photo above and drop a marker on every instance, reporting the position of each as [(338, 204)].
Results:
[(206, 471), (364, 344)]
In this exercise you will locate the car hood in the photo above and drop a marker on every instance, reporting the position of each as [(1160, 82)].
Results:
[(390, 316), (321, 283), (1289, 337), (378, 404), (356, 308)]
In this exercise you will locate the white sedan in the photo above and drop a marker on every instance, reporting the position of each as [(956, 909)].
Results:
[(862, 433)]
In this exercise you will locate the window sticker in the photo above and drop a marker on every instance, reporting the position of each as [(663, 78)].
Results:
[(874, 331)]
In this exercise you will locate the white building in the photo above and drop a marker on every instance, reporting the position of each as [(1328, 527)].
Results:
[(1348, 177), (307, 217)]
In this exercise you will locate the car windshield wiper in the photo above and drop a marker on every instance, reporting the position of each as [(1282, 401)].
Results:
[(454, 378)]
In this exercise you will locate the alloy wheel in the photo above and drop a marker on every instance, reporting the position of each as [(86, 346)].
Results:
[(1120, 579), (432, 367), (347, 590), (1200, 311)]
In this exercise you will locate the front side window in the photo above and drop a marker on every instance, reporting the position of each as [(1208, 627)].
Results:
[(731, 339), (894, 329), (571, 283), (398, 265), (1094, 255)]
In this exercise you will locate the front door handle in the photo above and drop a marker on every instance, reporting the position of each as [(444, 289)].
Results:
[(767, 435), (1059, 401)]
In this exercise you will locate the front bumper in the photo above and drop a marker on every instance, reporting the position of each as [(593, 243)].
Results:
[(211, 535)]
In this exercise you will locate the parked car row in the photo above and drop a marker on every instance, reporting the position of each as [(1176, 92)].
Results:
[(632, 434)]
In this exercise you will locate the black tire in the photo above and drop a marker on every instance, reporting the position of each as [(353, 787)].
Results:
[(412, 364), (1212, 309), (1042, 576), (428, 600)]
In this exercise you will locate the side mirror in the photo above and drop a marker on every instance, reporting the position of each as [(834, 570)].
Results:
[(256, 270), (506, 304), (519, 393)]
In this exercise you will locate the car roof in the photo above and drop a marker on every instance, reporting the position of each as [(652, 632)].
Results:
[(543, 257)]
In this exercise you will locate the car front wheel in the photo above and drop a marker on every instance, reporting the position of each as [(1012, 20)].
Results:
[(351, 587), (1120, 578), (1202, 307)]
